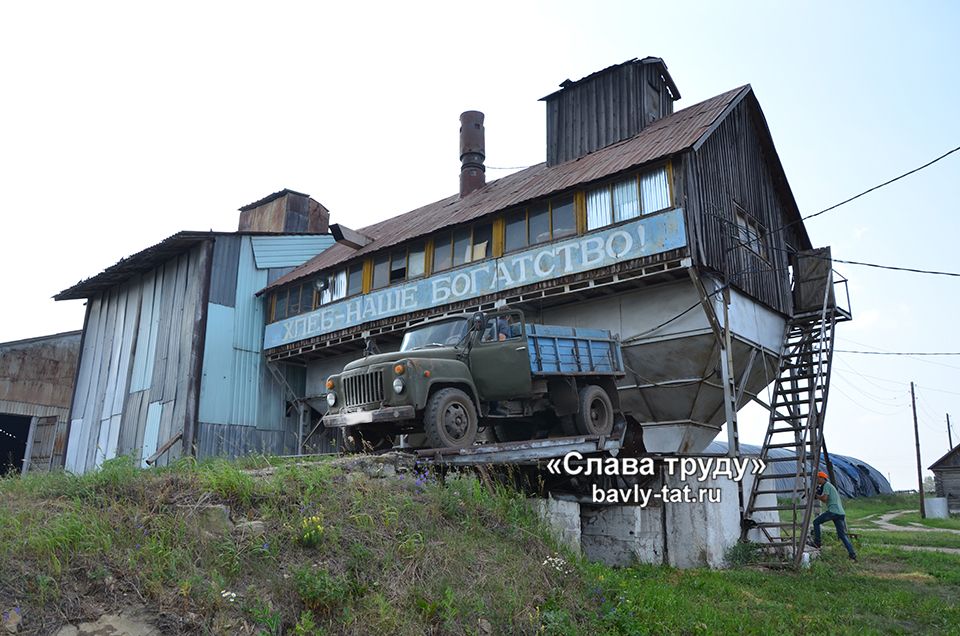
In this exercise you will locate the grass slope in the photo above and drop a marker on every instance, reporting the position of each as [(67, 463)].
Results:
[(343, 553)]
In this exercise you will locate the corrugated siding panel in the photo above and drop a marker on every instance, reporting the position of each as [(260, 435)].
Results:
[(216, 395), (288, 251), (248, 329), (238, 389), (217, 440), (223, 276)]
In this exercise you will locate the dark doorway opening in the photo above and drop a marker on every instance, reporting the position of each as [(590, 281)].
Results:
[(14, 430)]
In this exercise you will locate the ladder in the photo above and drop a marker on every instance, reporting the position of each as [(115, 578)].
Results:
[(796, 425)]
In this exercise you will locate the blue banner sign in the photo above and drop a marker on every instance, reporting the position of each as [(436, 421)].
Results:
[(643, 237)]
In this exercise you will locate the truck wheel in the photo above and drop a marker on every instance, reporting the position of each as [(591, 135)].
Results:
[(450, 420), (595, 416)]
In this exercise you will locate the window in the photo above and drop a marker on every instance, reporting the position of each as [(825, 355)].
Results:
[(599, 208), (415, 262), (515, 236), (482, 242), (539, 223), (292, 301), (563, 220), (398, 266), (749, 232), (442, 258), (462, 246), (355, 279), (628, 199), (336, 286), (381, 271)]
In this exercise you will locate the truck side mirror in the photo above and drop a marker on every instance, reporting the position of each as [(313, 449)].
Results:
[(477, 321)]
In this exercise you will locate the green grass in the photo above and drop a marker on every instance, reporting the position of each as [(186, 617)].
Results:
[(411, 555)]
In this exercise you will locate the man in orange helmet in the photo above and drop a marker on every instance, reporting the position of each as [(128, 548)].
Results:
[(828, 494)]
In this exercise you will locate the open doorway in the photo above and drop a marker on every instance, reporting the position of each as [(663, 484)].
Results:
[(14, 430)]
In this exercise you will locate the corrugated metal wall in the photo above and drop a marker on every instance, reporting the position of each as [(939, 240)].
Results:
[(288, 251), (136, 385), (243, 408)]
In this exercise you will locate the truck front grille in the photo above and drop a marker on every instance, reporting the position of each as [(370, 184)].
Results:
[(363, 389)]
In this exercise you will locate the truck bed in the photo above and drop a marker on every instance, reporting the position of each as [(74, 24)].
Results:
[(556, 350)]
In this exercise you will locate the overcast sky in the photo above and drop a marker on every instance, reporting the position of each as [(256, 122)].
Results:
[(123, 124)]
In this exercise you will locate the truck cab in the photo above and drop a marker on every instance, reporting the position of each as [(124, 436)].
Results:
[(457, 374)]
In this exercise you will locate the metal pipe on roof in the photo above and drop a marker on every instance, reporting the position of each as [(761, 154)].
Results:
[(472, 152)]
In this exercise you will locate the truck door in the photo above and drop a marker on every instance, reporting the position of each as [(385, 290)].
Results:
[(499, 360)]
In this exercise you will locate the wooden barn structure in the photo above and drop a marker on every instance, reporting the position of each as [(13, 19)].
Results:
[(36, 383), (172, 359), (946, 476)]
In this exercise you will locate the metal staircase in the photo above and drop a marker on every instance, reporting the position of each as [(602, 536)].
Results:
[(796, 424)]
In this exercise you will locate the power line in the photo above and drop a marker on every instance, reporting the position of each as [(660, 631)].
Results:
[(877, 265), (899, 269), (868, 191), (902, 353)]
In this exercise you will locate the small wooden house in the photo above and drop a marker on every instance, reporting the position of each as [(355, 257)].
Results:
[(946, 477)]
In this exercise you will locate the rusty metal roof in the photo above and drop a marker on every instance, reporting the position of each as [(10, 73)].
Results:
[(271, 197), (661, 139)]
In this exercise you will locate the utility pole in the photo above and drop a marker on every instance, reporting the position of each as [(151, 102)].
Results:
[(916, 434), (949, 436)]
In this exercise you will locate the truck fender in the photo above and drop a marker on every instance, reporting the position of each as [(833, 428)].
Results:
[(464, 385), (563, 395)]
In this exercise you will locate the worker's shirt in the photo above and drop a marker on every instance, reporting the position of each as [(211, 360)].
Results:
[(833, 499)]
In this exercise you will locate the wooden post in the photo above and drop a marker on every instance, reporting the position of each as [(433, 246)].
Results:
[(916, 434), (949, 435)]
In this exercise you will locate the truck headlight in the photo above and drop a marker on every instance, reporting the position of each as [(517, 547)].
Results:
[(331, 398), (398, 386)]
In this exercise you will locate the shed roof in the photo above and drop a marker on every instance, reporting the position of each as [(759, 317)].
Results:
[(663, 138), (146, 260), (565, 84), (271, 197), (950, 460)]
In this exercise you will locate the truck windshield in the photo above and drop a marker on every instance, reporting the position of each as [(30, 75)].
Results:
[(439, 334)]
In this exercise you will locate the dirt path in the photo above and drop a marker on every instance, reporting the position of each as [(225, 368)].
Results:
[(928, 548), (884, 523)]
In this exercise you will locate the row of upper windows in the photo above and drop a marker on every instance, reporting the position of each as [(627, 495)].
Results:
[(517, 229)]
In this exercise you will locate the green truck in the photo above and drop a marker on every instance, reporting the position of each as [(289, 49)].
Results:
[(457, 375)]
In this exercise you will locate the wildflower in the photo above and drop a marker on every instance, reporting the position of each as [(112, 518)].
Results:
[(228, 596)]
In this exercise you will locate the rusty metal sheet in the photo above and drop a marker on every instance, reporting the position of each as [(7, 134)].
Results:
[(663, 138)]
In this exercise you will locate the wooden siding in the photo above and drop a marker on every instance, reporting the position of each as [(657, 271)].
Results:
[(136, 370), (601, 111), (730, 169)]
